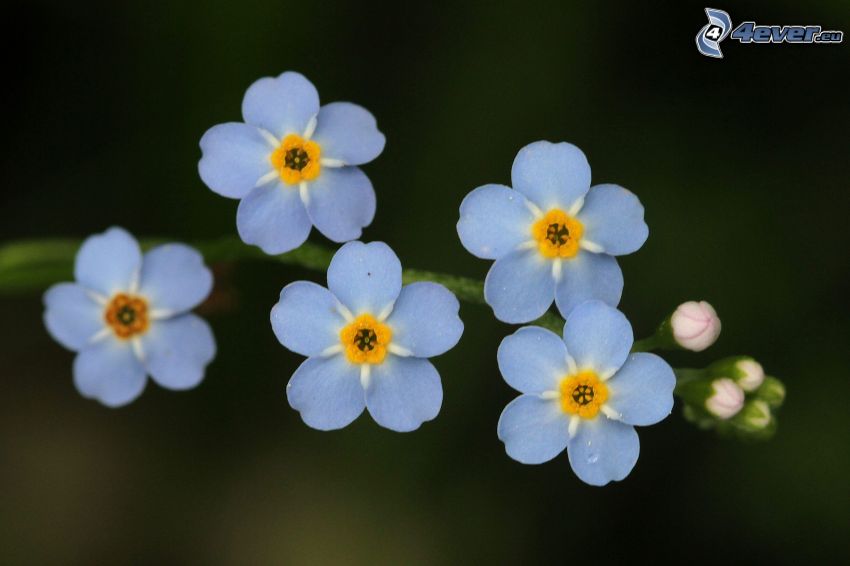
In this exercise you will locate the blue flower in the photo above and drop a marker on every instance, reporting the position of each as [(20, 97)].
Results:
[(585, 393), (291, 164), (366, 339), (553, 236), (127, 316)]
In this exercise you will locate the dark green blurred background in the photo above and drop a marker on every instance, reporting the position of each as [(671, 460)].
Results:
[(742, 164)]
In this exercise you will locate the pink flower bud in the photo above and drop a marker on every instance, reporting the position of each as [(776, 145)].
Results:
[(726, 400), (695, 325)]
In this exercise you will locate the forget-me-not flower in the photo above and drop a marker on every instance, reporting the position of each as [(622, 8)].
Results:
[(127, 316), (367, 339), (552, 235), (292, 164), (585, 393)]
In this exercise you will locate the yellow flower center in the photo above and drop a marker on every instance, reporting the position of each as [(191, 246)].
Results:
[(583, 394), (557, 234), (365, 340), (127, 315), (297, 159)]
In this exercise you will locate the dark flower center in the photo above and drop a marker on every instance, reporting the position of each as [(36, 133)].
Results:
[(558, 234), (366, 339), (583, 394), (296, 158), (126, 315)]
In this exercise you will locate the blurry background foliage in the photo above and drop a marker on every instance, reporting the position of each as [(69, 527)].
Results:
[(741, 164)]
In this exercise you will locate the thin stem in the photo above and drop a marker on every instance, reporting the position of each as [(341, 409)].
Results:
[(685, 376), (466, 289), (472, 291), (646, 344), (37, 264)]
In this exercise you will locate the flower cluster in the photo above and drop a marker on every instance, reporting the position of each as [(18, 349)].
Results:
[(733, 396), (293, 164), (127, 316), (554, 238)]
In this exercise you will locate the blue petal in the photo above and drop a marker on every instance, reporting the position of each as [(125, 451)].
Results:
[(177, 351), (603, 450), (327, 392), (349, 133), (551, 175), (424, 319), (365, 277), (306, 319), (341, 202), (520, 286), (403, 393), (494, 220), (598, 337), (533, 360), (108, 262), (234, 157), (588, 276), (174, 278), (613, 218), (534, 430), (109, 372), (273, 217), (71, 316), (281, 105), (642, 391)]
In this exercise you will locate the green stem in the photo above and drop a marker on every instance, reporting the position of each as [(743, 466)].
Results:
[(661, 340), (472, 291), (466, 289), (37, 264), (684, 376), (646, 344)]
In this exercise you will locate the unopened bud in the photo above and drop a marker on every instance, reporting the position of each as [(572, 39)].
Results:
[(695, 325), (772, 392), (749, 374), (746, 372), (755, 421), (726, 400), (754, 416)]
